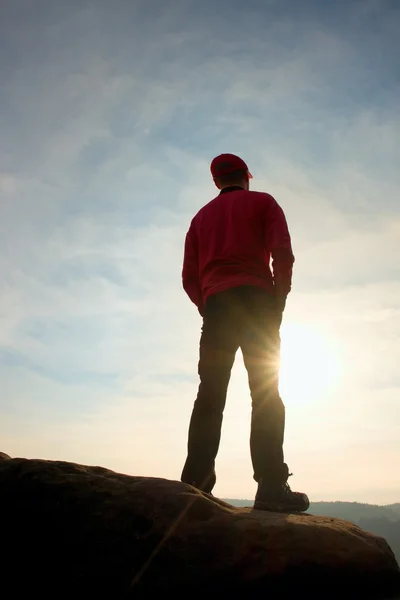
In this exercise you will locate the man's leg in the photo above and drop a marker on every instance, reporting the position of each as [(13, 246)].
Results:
[(218, 346), (261, 352)]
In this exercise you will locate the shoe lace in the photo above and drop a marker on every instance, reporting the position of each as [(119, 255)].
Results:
[(286, 485)]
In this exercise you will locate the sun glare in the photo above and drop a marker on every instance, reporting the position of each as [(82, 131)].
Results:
[(310, 363)]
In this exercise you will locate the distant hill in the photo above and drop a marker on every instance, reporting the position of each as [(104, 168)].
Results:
[(349, 511), (395, 507), (354, 511), (380, 520)]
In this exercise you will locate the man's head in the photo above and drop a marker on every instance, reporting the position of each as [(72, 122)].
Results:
[(228, 170)]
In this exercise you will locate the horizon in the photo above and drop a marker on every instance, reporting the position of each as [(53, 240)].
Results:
[(110, 119), (322, 502)]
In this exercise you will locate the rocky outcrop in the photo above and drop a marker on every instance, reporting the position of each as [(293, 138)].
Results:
[(76, 531)]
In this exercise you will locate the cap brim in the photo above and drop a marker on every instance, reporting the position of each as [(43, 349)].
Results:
[(250, 175)]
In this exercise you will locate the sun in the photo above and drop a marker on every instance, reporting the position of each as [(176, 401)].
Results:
[(310, 363)]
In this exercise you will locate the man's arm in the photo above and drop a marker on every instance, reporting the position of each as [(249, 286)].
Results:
[(190, 270), (279, 245)]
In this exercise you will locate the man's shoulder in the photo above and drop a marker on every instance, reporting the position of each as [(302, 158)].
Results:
[(248, 194), (261, 196)]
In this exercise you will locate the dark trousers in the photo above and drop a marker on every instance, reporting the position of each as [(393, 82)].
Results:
[(245, 318)]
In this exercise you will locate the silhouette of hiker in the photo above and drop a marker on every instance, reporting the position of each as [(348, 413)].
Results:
[(227, 275)]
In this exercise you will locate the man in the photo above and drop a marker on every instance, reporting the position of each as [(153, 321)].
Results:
[(227, 275)]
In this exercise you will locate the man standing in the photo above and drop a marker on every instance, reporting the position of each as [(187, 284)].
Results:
[(227, 275)]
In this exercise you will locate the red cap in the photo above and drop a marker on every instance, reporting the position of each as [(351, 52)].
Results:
[(228, 163)]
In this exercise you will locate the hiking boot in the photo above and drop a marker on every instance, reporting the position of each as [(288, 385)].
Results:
[(202, 483), (205, 486), (280, 498), (193, 484)]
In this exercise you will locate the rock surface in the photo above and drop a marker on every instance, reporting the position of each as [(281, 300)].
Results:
[(76, 531)]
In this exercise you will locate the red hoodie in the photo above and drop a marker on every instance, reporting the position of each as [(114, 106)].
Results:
[(231, 242)]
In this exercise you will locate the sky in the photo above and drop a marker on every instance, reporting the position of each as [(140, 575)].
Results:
[(110, 113)]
